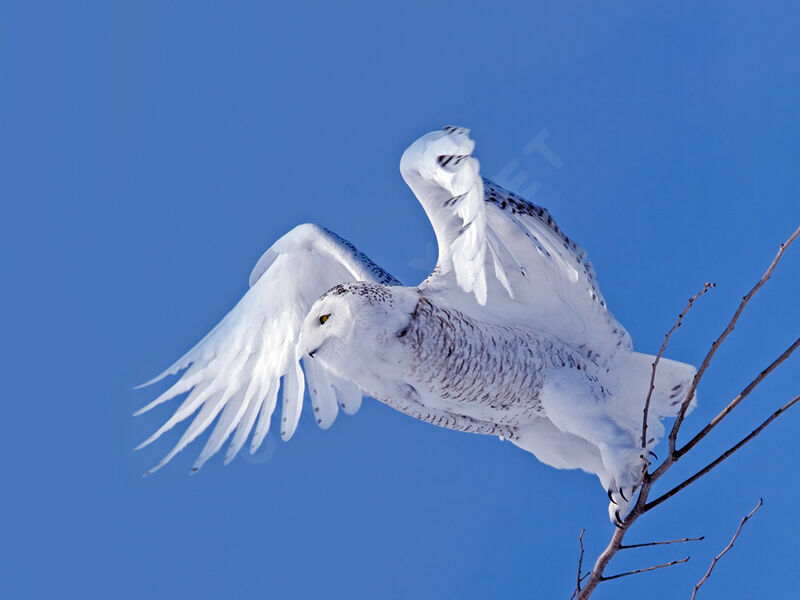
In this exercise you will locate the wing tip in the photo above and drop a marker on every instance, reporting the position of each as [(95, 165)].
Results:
[(148, 382), (152, 470), (171, 370), (147, 442)]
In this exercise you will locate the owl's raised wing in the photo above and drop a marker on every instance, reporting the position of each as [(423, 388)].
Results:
[(440, 170), (236, 369), (505, 251)]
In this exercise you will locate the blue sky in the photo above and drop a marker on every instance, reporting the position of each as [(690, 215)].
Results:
[(150, 151)]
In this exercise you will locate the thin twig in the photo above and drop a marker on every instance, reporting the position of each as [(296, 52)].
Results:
[(629, 546), (725, 550), (710, 466), (580, 577), (707, 286), (673, 434), (580, 561), (637, 571), (733, 403)]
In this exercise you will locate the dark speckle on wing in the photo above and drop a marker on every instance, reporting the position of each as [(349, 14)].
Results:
[(516, 205), (523, 212), (372, 293), (381, 275), (509, 201)]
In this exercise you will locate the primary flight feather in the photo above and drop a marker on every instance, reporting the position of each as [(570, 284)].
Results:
[(509, 336)]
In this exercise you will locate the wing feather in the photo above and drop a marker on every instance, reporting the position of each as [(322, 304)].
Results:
[(234, 372), (348, 395), (252, 402), (322, 393), (265, 417), (293, 387), (231, 416)]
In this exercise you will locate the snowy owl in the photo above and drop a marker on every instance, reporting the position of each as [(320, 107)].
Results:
[(509, 336)]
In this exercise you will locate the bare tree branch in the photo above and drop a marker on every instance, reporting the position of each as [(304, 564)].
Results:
[(673, 434), (734, 403), (681, 541), (641, 506), (707, 286), (687, 482), (637, 571), (725, 550)]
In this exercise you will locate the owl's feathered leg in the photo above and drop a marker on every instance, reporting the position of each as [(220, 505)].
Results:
[(577, 405)]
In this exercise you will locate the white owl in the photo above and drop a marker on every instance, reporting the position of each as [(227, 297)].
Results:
[(509, 336)]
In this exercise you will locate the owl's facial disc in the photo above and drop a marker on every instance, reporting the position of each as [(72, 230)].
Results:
[(322, 319), (353, 329), (328, 322)]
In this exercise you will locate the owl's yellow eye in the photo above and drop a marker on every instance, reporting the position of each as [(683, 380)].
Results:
[(323, 318)]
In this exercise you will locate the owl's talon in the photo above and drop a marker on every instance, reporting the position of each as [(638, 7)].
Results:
[(610, 497)]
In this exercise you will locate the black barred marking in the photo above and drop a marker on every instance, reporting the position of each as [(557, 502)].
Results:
[(454, 200), (454, 129), (446, 159), (411, 406)]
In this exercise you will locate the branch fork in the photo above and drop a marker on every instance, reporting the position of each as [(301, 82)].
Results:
[(596, 576)]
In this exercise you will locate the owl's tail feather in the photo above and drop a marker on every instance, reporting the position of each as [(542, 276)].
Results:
[(672, 382)]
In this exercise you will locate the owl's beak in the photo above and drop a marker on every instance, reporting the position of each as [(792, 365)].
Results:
[(311, 353)]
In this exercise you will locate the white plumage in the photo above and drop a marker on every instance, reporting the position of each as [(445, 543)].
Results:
[(509, 336)]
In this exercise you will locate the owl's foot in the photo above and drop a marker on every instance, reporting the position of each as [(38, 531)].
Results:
[(618, 523), (621, 501)]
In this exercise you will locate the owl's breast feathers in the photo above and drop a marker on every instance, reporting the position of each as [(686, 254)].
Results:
[(486, 372)]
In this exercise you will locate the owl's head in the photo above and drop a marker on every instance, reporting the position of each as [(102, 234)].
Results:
[(353, 325)]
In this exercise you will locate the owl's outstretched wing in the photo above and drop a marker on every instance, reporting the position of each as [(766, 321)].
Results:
[(236, 369), (507, 252)]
